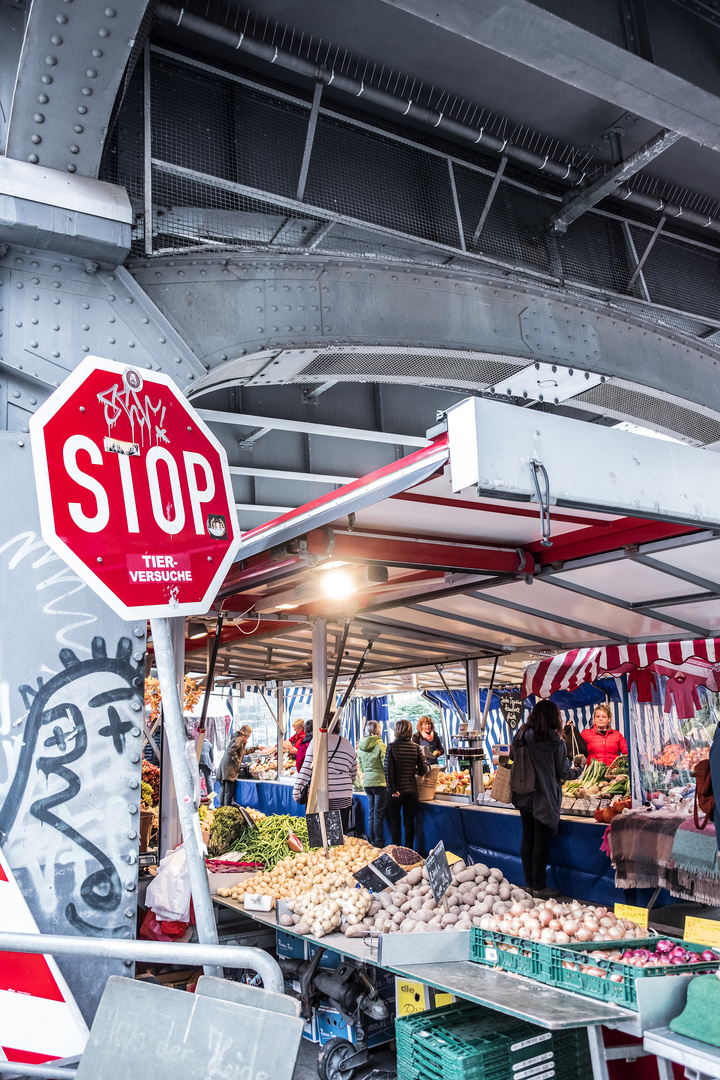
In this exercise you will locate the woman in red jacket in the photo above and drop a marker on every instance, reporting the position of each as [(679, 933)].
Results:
[(603, 742)]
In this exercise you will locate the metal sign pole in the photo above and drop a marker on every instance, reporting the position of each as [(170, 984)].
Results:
[(189, 820)]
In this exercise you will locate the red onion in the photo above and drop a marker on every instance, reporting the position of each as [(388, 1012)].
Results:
[(664, 946), (708, 954), (678, 953)]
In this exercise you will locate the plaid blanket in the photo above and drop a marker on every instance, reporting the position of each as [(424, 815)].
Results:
[(641, 850), (695, 857)]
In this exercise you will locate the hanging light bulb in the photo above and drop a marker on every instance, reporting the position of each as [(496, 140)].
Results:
[(337, 584)]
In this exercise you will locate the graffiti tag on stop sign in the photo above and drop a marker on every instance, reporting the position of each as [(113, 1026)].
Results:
[(134, 490)]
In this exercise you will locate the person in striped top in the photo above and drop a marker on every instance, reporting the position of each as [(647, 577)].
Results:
[(342, 770), (404, 760)]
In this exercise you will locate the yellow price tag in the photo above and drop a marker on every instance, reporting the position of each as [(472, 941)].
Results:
[(637, 915), (702, 931)]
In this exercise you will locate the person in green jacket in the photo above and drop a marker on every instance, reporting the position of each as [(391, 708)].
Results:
[(371, 758)]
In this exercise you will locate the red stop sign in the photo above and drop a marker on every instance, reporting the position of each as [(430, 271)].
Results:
[(134, 490)]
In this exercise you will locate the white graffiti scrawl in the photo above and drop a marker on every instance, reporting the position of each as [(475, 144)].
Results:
[(75, 732)]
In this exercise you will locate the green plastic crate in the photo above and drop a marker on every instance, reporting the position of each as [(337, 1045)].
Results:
[(510, 953), (620, 981), (470, 1044), (544, 963)]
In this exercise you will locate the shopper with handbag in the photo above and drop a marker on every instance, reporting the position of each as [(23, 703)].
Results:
[(404, 760), (540, 764)]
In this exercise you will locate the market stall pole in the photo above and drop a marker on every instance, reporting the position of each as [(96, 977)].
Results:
[(135, 494)]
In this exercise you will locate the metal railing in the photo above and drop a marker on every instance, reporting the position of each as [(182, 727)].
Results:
[(155, 952)]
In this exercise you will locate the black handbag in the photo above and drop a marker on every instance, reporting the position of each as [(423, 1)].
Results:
[(522, 772)]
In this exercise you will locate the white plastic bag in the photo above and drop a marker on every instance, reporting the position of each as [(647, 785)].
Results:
[(168, 895), (191, 756)]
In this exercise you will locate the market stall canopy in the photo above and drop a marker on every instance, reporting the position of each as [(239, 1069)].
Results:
[(686, 664), (444, 573)]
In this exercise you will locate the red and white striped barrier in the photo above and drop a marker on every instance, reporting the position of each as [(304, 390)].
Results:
[(39, 1018)]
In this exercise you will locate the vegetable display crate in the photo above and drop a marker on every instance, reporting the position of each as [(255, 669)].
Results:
[(469, 1042), (560, 965)]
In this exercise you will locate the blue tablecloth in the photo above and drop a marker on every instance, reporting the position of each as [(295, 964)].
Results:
[(483, 834)]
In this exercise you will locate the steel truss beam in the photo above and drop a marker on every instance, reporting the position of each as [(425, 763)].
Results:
[(594, 193), (418, 553)]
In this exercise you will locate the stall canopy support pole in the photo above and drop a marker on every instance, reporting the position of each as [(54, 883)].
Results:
[(189, 820), (170, 834), (488, 699), (458, 710), (473, 693), (280, 726), (318, 798), (211, 670)]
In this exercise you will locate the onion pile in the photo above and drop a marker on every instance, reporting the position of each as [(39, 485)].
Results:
[(665, 952), (552, 923)]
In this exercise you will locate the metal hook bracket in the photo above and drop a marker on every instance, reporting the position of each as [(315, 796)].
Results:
[(543, 497)]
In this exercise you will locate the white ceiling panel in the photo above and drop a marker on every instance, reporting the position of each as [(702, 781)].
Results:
[(604, 619), (628, 580), (705, 615), (404, 518), (514, 622), (700, 559)]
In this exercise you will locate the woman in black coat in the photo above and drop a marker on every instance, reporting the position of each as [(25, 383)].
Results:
[(404, 760), (541, 738)]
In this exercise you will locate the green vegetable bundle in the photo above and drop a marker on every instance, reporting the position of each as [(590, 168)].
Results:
[(619, 766), (591, 775), (226, 830), (268, 843)]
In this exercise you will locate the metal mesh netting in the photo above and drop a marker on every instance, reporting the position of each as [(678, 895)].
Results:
[(437, 366), (667, 414), (212, 124)]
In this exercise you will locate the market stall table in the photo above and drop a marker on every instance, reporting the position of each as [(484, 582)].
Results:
[(486, 833), (513, 995), (701, 1058)]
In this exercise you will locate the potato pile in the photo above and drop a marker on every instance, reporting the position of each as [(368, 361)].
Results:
[(321, 911), (298, 874), (410, 908)]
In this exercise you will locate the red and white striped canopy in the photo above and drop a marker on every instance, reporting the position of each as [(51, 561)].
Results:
[(694, 662)]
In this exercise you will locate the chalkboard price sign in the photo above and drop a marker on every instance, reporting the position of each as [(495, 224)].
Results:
[(381, 874), (333, 830), (438, 871), (511, 706)]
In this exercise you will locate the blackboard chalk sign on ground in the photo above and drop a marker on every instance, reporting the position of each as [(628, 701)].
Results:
[(438, 871), (334, 836)]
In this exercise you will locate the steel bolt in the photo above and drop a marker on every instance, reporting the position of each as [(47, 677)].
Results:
[(134, 758), (133, 784), (132, 835), (129, 913), (138, 632), (132, 808)]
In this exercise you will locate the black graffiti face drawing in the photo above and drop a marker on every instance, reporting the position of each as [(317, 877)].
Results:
[(82, 698)]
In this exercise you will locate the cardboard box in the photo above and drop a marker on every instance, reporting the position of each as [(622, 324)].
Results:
[(329, 959), (332, 1025), (289, 947), (416, 997), (311, 1030)]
